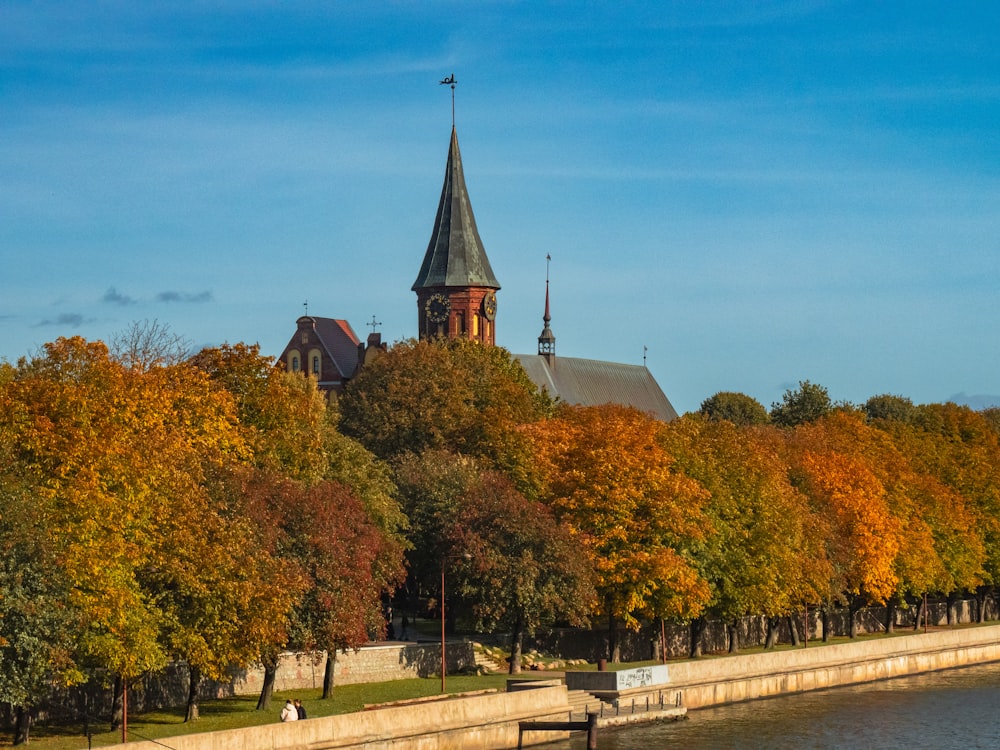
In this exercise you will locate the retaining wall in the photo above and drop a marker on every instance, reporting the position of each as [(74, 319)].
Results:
[(710, 682), (480, 722)]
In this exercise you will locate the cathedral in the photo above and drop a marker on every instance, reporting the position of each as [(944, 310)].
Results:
[(457, 298)]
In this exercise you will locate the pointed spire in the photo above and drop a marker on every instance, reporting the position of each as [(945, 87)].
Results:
[(455, 255), (547, 339)]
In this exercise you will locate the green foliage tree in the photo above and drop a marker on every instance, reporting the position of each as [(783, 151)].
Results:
[(456, 395), (890, 407), (516, 566), (809, 402), (738, 408), (38, 628)]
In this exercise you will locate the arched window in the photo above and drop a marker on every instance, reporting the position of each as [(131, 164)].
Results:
[(295, 363), (315, 364)]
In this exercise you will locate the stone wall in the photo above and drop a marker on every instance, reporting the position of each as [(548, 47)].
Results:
[(480, 722), (709, 682)]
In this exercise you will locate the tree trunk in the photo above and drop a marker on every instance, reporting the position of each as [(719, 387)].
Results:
[(825, 614), (22, 725), (793, 631), (853, 607), (732, 629), (516, 644), (920, 614), (267, 688), (698, 626), (772, 632), (194, 680), (890, 617), (614, 648), (328, 671), (117, 703), (982, 602)]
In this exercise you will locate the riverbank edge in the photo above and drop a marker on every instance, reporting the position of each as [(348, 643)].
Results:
[(490, 722), (734, 679)]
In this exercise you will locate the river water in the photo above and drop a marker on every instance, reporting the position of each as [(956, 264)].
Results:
[(957, 708)]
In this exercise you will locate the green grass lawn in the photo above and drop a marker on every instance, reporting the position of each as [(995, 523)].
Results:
[(240, 711)]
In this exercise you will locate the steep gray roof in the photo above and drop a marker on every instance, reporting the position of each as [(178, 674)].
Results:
[(589, 382), (455, 255)]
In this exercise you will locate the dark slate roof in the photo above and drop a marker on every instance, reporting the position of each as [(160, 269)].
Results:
[(589, 382), (455, 255)]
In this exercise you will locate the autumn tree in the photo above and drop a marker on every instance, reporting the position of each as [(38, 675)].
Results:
[(835, 462), (957, 448), (763, 556), (292, 429), (325, 532), (607, 475)]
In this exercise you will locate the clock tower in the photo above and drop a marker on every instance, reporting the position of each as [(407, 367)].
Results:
[(456, 288)]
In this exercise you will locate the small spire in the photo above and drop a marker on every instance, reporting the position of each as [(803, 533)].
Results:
[(547, 339), (644, 350)]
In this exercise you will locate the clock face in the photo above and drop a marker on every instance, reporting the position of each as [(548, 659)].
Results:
[(490, 306), (437, 308)]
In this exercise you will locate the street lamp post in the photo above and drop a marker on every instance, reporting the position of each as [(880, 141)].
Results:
[(443, 660), (444, 560)]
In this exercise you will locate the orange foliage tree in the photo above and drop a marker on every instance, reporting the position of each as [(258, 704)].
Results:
[(604, 472)]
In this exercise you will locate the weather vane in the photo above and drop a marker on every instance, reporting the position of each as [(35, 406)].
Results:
[(450, 81), (306, 306), (644, 350)]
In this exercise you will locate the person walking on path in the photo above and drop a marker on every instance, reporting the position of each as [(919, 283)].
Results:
[(288, 713)]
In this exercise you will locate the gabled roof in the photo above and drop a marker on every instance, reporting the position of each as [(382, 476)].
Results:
[(589, 382), (455, 256), (335, 338), (340, 342)]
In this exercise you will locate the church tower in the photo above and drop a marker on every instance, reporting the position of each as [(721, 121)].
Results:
[(456, 288)]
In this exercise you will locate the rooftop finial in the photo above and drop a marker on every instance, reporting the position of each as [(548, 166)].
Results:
[(547, 339), (306, 306), (450, 81), (547, 317), (373, 323), (644, 350)]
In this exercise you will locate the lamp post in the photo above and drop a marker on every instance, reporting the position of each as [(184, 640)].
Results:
[(443, 660), (444, 667)]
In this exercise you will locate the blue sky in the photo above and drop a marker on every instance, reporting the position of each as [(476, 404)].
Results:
[(759, 193)]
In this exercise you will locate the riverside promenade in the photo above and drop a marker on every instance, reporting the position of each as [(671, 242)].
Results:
[(491, 721)]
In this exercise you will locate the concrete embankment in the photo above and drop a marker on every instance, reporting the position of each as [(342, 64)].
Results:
[(490, 722), (711, 682)]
